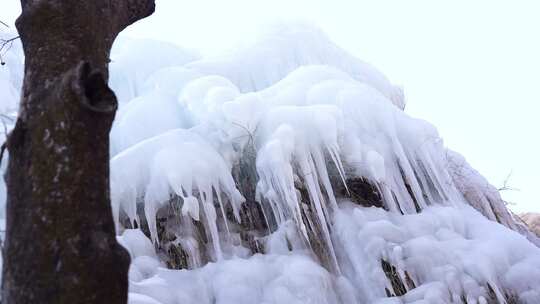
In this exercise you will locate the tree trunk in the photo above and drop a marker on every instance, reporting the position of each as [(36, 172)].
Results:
[(60, 244)]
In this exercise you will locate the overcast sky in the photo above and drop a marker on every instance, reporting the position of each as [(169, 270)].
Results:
[(470, 67)]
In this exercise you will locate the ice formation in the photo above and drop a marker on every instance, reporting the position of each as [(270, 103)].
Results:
[(288, 172)]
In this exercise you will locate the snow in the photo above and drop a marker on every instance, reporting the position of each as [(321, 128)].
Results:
[(454, 248), (271, 278), (300, 119), (281, 49), (130, 70), (133, 125), (449, 250)]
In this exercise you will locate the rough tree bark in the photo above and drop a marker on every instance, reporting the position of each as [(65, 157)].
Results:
[(60, 244)]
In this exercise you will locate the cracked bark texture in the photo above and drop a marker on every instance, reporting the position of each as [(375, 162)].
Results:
[(60, 244)]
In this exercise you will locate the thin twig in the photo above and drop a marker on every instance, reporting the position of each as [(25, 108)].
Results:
[(5, 116), (505, 186), (2, 150), (5, 46), (4, 144), (5, 128), (249, 133)]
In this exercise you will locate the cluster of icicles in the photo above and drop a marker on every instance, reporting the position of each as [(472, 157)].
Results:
[(315, 116), (222, 158)]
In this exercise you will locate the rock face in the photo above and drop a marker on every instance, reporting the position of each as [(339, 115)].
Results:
[(532, 220)]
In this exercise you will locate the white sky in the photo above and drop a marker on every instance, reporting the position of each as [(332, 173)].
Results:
[(471, 67)]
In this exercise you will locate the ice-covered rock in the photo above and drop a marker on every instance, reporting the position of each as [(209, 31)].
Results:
[(532, 220)]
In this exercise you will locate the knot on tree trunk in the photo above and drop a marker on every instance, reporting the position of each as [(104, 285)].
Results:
[(95, 94)]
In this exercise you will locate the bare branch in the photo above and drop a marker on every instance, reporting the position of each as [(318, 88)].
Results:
[(505, 186), (2, 150), (4, 24), (3, 117), (5, 127), (5, 46)]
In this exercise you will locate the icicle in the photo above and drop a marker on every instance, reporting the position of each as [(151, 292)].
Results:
[(310, 177), (190, 207), (334, 153)]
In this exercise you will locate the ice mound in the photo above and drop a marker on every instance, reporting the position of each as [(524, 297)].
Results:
[(281, 49), (134, 60), (460, 253), (240, 165)]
